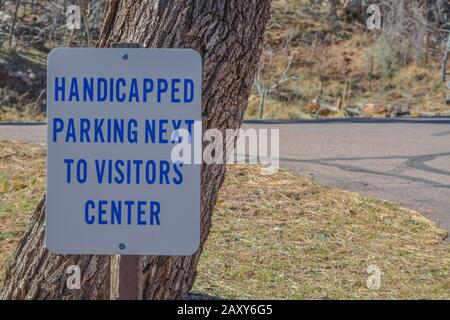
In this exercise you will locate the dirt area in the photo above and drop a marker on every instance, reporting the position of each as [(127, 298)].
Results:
[(312, 65)]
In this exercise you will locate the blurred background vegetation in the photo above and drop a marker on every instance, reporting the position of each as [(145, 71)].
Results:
[(319, 58)]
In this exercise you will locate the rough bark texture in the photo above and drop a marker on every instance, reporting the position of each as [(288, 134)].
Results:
[(228, 34)]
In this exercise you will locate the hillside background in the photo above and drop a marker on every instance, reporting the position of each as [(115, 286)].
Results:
[(319, 58)]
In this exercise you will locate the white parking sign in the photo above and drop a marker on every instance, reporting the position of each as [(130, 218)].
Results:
[(113, 120)]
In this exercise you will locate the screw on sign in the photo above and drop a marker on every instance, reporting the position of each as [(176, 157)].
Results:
[(111, 181)]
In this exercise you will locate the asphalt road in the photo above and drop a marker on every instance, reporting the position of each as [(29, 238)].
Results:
[(406, 161), (29, 132)]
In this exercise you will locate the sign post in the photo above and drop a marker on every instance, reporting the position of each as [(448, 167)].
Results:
[(126, 277), (115, 116), (126, 271)]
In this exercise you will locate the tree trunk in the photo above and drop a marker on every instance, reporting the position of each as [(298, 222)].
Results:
[(13, 24), (333, 10), (262, 103), (228, 34), (444, 63)]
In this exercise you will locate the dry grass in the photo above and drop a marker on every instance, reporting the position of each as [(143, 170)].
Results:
[(20, 116), (285, 237), (281, 237), (18, 101), (22, 178)]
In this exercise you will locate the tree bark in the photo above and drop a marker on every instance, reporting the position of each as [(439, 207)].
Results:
[(228, 34)]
